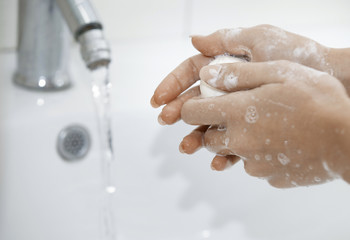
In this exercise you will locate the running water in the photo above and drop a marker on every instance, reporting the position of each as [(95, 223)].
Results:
[(101, 86)]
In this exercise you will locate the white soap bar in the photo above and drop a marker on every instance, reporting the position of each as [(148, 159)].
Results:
[(205, 88)]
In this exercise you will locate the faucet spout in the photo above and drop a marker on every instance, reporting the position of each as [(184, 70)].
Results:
[(87, 30), (43, 41)]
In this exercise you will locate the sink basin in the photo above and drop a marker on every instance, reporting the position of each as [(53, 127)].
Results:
[(160, 193)]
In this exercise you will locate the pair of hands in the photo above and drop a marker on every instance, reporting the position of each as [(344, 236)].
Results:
[(285, 116)]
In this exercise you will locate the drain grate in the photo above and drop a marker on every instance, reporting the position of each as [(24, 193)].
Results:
[(73, 142)]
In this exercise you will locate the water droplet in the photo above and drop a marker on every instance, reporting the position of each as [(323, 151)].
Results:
[(267, 141), (294, 183), (299, 151), (317, 179), (251, 115), (227, 141), (206, 234), (221, 128), (40, 102), (268, 157), (283, 159), (285, 142), (110, 189), (268, 114), (257, 157)]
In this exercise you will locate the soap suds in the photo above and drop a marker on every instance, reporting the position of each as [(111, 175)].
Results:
[(251, 115), (230, 81), (268, 157), (283, 159), (231, 33)]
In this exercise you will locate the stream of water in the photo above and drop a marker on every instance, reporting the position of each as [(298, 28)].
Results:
[(101, 87)]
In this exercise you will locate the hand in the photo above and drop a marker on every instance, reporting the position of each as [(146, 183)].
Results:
[(257, 44), (288, 125), (264, 43)]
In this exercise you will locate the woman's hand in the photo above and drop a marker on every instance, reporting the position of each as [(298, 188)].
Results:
[(258, 44), (264, 43), (289, 123)]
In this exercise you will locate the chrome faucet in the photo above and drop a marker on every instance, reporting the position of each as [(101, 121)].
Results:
[(43, 41)]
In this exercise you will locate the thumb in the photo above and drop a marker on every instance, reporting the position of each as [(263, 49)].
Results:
[(233, 41)]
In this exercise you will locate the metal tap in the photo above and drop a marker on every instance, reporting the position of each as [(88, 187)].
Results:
[(43, 41)]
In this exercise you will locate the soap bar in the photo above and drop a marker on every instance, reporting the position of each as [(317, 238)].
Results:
[(205, 88)]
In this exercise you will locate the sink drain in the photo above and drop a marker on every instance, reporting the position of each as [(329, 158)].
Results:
[(73, 142)]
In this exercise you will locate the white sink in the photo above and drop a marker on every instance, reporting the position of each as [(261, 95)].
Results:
[(161, 194)]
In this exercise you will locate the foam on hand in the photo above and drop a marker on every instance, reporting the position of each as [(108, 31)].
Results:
[(205, 88)]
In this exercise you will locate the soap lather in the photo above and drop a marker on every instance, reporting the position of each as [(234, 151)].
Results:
[(205, 88)]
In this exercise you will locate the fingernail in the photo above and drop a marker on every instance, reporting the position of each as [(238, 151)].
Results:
[(153, 103), (181, 148), (160, 120)]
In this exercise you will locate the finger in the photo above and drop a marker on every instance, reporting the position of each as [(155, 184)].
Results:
[(194, 141), (171, 113), (245, 75), (181, 78), (204, 111), (220, 163), (233, 41)]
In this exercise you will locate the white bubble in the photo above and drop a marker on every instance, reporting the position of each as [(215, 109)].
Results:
[(257, 157), (110, 189), (268, 157), (317, 179), (294, 183), (267, 141), (283, 159), (206, 234), (221, 128), (40, 102), (251, 115), (227, 141), (268, 114)]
